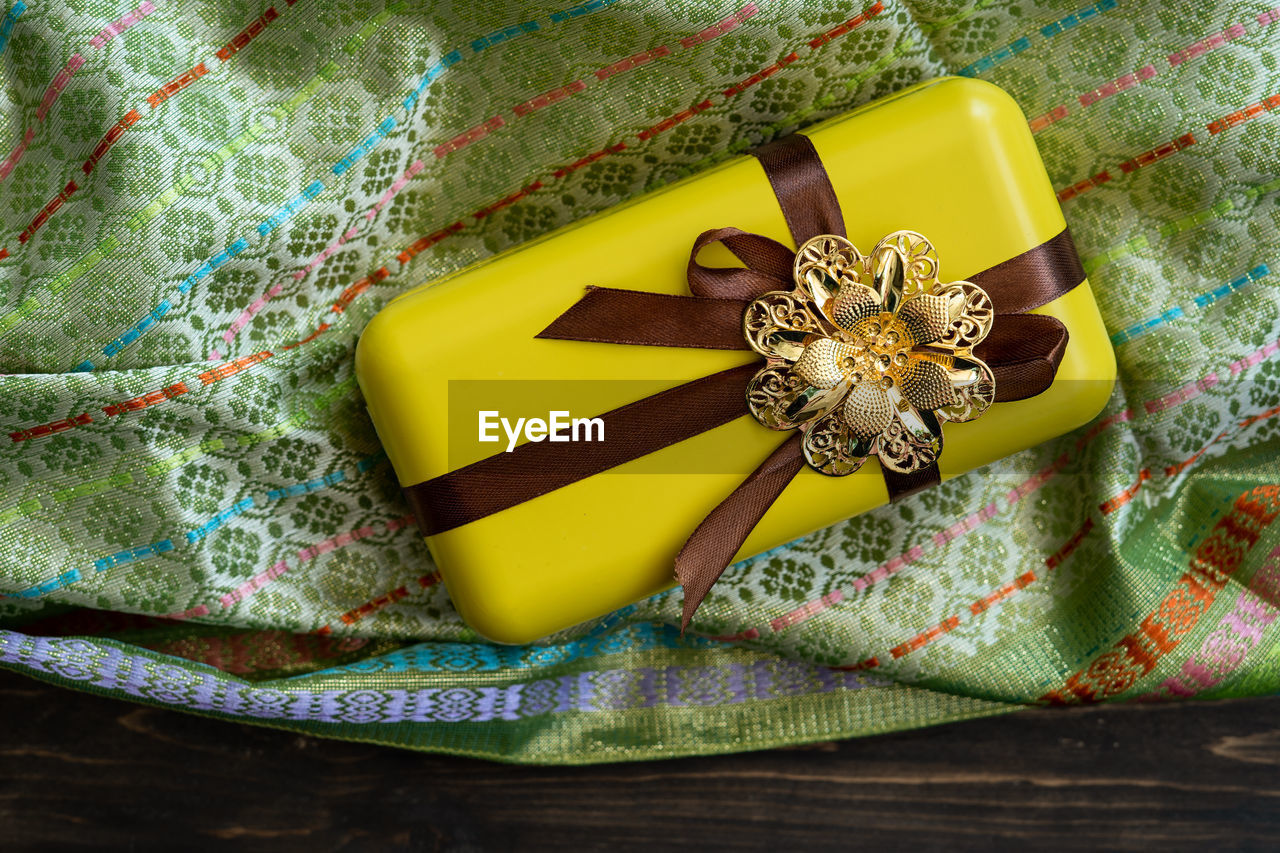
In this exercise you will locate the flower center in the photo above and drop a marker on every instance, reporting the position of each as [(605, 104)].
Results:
[(880, 347)]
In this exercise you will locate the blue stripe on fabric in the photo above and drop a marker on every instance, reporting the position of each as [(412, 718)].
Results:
[(580, 10), (993, 59), (309, 486), (10, 18), (343, 165), (505, 34), (370, 461), (218, 520), (289, 208), (164, 545), (1076, 18), (451, 58), (120, 558), (472, 657), (365, 146), (1202, 300)]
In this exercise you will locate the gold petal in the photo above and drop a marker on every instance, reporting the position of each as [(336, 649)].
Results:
[(832, 449), (778, 325), (821, 363), (867, 410), (889, 276), (855, 302), (780, 399), (926, 384), (926, 316)]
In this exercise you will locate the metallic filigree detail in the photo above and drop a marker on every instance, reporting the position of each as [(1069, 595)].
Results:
[(927, 384), (867, 410), (780, 399), (919, 258), (777, 325), (971, 314), (905, 450), (825, 266), (975, 389), (831, 448), (892, 361)]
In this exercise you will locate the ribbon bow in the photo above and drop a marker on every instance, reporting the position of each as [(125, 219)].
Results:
[(1021, 351)]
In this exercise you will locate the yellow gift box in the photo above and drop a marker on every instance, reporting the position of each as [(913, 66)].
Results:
[(952, 159)]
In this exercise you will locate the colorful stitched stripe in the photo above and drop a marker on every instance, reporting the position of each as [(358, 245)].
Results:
[(1179, 612), (580, 10), (475, 657), (1171, 229), (1227, 646), (72, 575), (291, 207), (220, 519), (249, 33), (124, 22), (1241, 116), (746, 12), (400, 593), (1146, 158), (1022, 44), (1120, 84), (847, 27), (153, 209), (1205, 45), (246, 315), (993, 59), (282, 567), (1042, 121)]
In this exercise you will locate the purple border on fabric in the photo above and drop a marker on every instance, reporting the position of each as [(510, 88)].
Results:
[(200, 688)]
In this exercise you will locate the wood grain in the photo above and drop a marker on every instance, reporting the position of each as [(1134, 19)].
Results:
[(81, 771)]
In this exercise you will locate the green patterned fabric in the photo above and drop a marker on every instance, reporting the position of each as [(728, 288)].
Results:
[(204, 202)]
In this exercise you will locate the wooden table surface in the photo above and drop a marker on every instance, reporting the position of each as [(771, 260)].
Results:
[(82, 771)]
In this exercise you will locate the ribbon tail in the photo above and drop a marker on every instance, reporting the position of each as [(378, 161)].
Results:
[(708, 551), (1023, 352)]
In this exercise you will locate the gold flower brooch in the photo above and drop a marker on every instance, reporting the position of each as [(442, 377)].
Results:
[(869, 355)]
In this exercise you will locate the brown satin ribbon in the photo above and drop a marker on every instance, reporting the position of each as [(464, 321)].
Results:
[(1023, 350), (532, 469), (802, 187)]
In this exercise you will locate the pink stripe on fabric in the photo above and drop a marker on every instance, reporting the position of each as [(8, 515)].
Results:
[(254, 584), (16, 154), (1176, 398), (1256, 357), (339, 541)]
